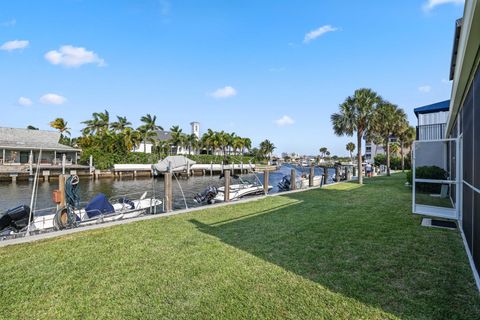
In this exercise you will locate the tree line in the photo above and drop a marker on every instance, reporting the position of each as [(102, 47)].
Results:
[(368, 115), (101, 134)]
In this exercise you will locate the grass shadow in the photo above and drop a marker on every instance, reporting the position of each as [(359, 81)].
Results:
[(364, 243)]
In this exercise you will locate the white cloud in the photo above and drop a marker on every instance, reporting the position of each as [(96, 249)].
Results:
[(425, 89), (52, 98), (431, 4), (14, 45), (284, 121), (70, 56), (224, 92), (24, 101), (312, 35), (9, 23)]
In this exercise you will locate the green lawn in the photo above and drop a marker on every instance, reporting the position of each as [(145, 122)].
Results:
[(342, 252)]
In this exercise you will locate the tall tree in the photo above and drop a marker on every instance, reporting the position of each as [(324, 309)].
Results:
[(388, 120), (350, 148), (148, 129), (266, 148), (176, 139), (323, 151), (61, 125), (355, 115), (121, 124), (406, 136)]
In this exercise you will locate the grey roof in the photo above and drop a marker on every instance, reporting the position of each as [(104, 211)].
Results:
[(25, 139), (163, 135)]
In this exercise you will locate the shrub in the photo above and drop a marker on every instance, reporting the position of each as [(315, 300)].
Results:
[(429, 172), (395, 161)]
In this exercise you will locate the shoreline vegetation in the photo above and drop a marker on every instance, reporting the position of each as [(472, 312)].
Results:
[(111, 142), (362, 258)]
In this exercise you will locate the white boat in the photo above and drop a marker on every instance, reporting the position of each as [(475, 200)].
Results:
[(305, 182), (52, 219), (173, 164), (238, 191), (121, 210)]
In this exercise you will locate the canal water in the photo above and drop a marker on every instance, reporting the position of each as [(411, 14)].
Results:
[(14, 194)]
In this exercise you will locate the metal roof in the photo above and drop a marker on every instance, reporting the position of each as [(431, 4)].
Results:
[(431, 108), (26, 139)]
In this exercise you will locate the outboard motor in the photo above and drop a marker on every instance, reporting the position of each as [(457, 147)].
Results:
[(16, 219), (284, 184), (206, 196)]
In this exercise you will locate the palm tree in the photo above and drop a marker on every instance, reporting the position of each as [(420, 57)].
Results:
[(406, 136), (237, 144), (176, 140), (387, 122), (149, 122), (394, 148), (131, 138), (207, 139), (267, 147), (247, 144), (350, 148), (323, 151), (148, 129), (99, 123), (61, 125), (355, 116), (121, 124), (192, 142)]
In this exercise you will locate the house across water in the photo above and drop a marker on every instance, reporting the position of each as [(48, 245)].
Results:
[(20, 152)]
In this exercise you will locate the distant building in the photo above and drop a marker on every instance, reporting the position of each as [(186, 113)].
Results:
[(22, 146), (164, 135), (372, 150)]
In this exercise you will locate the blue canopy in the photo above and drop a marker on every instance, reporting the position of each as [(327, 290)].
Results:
[(99, 205), (431, 108)]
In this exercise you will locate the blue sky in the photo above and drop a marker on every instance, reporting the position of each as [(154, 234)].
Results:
[(264, 69)]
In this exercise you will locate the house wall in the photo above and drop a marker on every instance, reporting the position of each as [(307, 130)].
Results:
[(464, 123), (432, 118)]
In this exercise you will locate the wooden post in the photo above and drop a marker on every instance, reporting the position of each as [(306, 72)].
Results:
[(226, 194), (61, 188), (325, 175), (211, 168), (167, 180), (265, 181), (91, 163), (293, 178), (64, 158), (310, 176), (338, 173)]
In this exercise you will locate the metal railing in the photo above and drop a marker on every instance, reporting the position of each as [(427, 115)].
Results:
[(431, 131)]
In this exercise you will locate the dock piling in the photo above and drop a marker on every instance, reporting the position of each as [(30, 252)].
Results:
[(226, 194), (167, 180), (266, 175), (293, 176), (310, 176), (325, 175)]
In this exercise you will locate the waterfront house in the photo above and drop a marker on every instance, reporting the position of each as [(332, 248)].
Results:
[(459, 145), (22, 146)]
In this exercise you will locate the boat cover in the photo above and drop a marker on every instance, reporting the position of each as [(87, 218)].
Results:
[(177, 163), (99, 205)]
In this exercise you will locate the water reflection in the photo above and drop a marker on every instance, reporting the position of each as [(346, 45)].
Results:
[(14, 194)]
